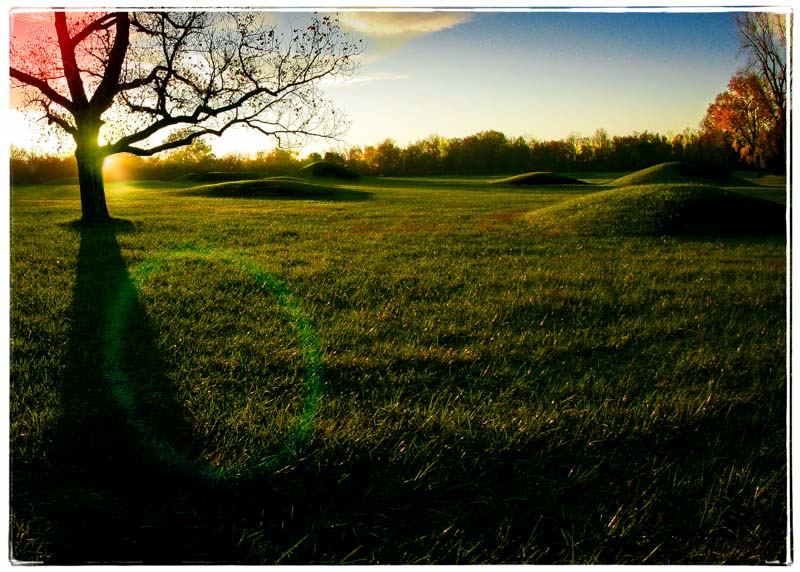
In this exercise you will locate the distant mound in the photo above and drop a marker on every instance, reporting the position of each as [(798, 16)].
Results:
[(327, 170), (540, 178), (657, 210), (678, 172), (219, 176), (276, 188)]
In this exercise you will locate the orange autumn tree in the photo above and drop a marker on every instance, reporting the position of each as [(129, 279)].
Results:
[(123, 82), (742, 113)]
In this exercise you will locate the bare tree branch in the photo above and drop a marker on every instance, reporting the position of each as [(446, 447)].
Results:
[(69, 62), (108, 87), (43, 87), (102, 23), (128, 78)]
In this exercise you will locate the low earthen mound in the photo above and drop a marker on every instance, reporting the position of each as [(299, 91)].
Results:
[(658, 210), (540, 178)]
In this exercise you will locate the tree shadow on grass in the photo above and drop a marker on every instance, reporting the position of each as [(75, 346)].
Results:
[(96, 467), (102, 496), (470, 502)]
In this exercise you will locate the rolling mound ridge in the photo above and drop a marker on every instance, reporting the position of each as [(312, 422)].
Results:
[(540, 178), (658, 210), (327, 170), (276, 188), (219, 176), (679, 172)]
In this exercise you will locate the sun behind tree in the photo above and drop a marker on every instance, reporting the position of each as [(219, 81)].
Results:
[(120, 82)]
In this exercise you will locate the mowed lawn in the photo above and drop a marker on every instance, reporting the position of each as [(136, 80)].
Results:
[(391, 371)]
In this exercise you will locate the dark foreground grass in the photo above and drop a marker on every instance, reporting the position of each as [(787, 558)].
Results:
[(422, 376)]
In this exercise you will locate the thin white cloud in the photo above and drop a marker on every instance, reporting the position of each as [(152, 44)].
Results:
[(402, 23), (386, 32), (362, 78)]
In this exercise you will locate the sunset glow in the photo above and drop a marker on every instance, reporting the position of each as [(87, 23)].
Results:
[(539, 75)]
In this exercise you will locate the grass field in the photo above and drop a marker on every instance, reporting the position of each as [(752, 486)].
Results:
[(391, 371)]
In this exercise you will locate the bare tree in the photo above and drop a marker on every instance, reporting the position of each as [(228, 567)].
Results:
[(762, 36), (118, 82)]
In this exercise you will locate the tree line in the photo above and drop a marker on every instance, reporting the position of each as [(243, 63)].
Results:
[(483, 153), (493, 153)]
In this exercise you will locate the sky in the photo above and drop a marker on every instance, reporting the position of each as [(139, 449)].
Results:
[(542, 75)]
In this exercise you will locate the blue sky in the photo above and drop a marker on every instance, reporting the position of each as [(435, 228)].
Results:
[(543, 75)]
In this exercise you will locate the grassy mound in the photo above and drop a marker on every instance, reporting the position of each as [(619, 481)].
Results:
[(327, 170), (656, 210), (276, 188), (540, 178), (679, 172), (219, 176)]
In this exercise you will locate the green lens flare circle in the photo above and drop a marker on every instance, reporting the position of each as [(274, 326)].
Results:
[(125, 394)]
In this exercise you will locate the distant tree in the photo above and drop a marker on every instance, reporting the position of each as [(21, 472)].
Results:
[(424, 157), (115, 81), (575, 147), (600, 144), (639, 150), (551, 155), (232, 162), (334, 157), (485, 153), (27, 167), (414, 160), (312, 158), (762, 36), (743, 113), (452, 157), (354, 159), (279, 161), (519, 155), (197, 153), (386, 158)]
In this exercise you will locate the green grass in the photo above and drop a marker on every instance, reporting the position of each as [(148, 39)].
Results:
[(421, 376), (291, 188)]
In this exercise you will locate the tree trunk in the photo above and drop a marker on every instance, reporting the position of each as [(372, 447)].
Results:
[(90, 179), (782, 138)]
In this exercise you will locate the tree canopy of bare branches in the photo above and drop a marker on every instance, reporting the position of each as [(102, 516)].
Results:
[(118, 82)]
